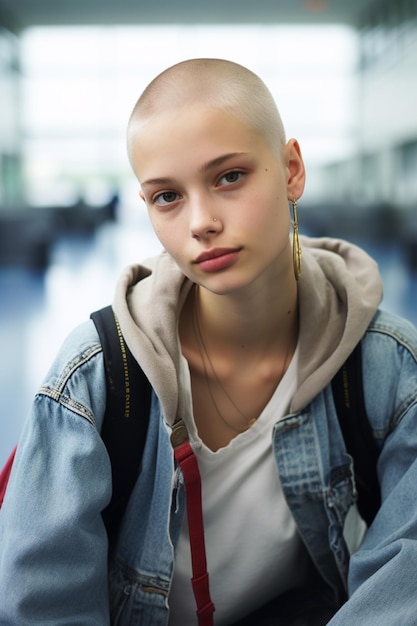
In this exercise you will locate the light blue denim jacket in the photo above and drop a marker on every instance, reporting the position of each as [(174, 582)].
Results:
[(53, 545)]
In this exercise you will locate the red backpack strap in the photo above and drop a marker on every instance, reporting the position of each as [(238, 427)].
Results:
[(5, 475), (187, 461)]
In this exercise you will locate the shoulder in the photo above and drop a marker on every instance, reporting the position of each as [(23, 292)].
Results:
[(391, 331), (389, 363), (398, 327), (76, 378), (81, 345)]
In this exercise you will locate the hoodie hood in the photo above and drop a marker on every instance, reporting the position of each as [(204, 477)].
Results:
[(339, 292)]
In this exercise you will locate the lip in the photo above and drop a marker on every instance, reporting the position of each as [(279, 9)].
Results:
[(217, 258)]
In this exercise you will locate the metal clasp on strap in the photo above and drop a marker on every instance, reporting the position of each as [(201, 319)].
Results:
[(179, 434)]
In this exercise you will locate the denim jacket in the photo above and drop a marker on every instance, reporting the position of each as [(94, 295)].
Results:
[(53, 567)]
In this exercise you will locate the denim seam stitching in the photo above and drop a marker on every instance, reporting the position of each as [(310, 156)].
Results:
[(395, 335), (67, 402), (143, 581), (56, 392), (76, 363)]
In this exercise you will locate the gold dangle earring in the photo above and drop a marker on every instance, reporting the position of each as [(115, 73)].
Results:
[(296, 247)]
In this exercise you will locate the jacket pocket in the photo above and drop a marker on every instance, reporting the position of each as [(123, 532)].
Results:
[(136, 600)]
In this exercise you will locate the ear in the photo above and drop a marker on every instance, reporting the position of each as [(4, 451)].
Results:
[(295, 170)]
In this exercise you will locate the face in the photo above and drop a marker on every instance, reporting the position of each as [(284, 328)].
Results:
[(217, 197)]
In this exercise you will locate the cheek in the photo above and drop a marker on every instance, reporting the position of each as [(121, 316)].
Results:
[(160, 231), (270, 210), (168, 237)]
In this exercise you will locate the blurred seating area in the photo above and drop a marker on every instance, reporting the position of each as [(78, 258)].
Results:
[(376, 223), (27, 234)]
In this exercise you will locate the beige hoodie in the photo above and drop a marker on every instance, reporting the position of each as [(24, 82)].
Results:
[(339, 292)]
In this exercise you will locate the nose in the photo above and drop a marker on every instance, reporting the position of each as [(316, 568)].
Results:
[(203, 219)]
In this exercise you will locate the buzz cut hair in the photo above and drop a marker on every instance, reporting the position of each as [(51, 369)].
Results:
[(214, 84)]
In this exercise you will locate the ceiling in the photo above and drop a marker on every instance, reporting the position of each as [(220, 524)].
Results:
[(19, 14)]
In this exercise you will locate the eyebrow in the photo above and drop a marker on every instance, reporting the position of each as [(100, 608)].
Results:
[(220, 160), (213, 163), (156, 181)]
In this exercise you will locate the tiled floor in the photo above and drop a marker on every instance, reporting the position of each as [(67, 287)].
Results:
[(38, 310)]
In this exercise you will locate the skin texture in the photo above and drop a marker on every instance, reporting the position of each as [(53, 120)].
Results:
[(217, 195)]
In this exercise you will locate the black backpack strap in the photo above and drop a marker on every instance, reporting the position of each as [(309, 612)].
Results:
[(347, 386), (128, 401)]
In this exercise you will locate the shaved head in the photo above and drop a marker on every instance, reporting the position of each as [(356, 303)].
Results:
[(213, 84)]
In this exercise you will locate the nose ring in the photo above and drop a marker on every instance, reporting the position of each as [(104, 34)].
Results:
[(214, 219)]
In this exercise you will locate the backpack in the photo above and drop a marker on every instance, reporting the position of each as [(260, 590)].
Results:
[(125, 420), (348, 395), (127, 416)]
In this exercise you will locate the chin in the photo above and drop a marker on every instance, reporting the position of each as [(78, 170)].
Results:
[(224, 285)]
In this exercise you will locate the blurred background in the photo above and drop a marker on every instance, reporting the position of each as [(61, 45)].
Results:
[(343, 75)]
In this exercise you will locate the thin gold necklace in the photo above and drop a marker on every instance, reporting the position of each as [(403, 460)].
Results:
[(204, 355)]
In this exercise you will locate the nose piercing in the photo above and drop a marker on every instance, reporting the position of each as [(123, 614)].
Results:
[(214, 219)]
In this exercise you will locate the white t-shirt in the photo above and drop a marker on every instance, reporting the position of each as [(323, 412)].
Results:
[(253, 549)]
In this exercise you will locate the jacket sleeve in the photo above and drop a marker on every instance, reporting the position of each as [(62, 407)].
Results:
[(382, 573), (53, 544)]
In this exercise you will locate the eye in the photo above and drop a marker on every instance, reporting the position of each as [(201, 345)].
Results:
[(234, 176), (165, 198)]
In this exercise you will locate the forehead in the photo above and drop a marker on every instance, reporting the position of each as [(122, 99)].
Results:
[(191, 135)]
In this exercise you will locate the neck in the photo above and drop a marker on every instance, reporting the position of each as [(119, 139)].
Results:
[(237, 356), (251, 321)]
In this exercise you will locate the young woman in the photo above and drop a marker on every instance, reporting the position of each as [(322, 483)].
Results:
[(239, 328)]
